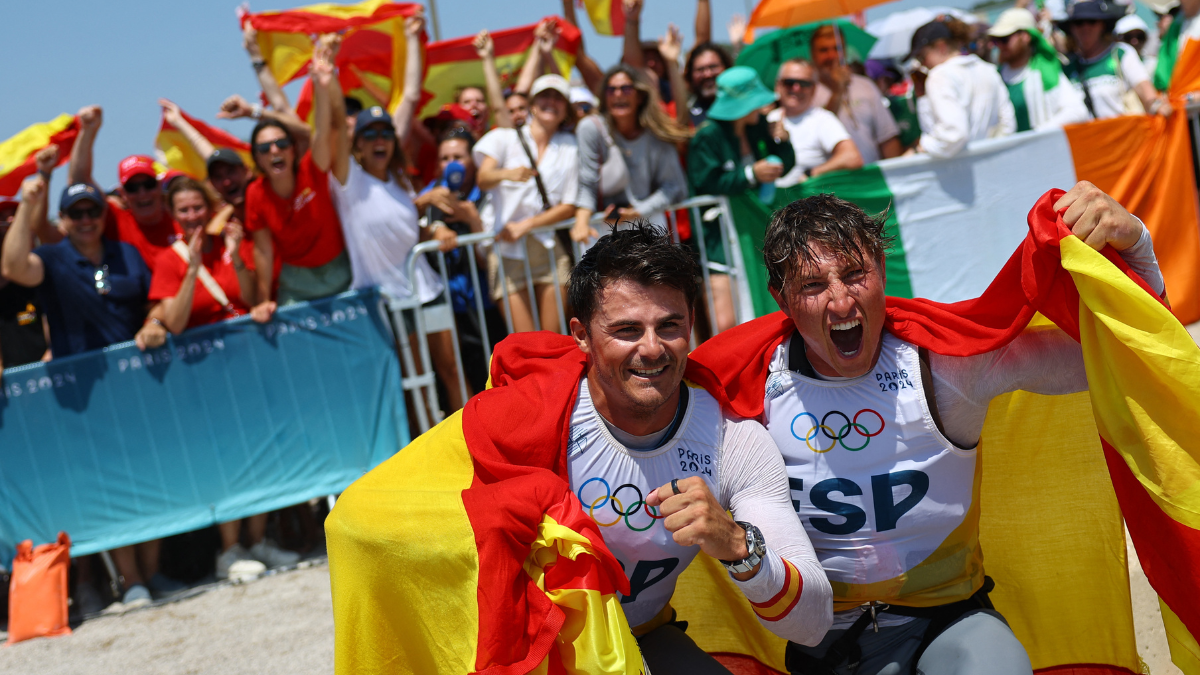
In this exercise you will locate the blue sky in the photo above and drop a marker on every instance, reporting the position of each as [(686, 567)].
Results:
[(60, 55)]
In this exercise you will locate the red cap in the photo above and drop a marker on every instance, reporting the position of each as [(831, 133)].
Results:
[(135, 165)]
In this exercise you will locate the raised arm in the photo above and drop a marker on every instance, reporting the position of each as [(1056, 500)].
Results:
[(80, 169), (175, 118), (266, 79), (18, 262), (737, 34), (703, 21), (402, 116), (177, 309), (545, 31), (329, 143), (486, 50), (236, 107), (670, 46), (47, 159), (589, 70), (632, 53)]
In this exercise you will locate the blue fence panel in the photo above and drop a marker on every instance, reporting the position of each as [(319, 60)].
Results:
[(225, 421)]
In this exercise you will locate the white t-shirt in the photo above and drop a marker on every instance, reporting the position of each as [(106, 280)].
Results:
[(965, 100), (814, 134), (511, 201), (379, 222), (1108, 89)]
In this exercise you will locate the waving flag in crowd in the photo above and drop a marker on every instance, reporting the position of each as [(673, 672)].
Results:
[(608, 16), (1059, 581), (373, 46), (453, 64), (179, 154), (467, 551), (17, 153)]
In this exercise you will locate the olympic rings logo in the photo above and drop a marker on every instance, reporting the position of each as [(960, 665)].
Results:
[(821, 427), (622, 512)]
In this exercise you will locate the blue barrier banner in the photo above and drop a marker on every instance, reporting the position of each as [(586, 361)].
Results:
[(225, 421)]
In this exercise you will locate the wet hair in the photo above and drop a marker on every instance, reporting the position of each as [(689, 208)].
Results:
[(650, 114), (699, 49), (189, 184), (640, 252), (837, 225), (258, 128)]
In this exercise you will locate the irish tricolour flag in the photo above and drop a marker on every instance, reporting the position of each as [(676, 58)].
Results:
[(957, 220)]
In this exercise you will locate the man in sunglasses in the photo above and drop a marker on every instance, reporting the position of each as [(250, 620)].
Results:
[(1041, 94), (145, 221), (818, 137), (853, 98)]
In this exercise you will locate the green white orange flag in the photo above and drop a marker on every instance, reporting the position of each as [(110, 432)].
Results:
[(453, 64), (17, 153), (373, 46), (608, 16), (178, 153)]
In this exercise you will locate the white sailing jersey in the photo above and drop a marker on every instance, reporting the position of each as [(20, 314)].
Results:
[(612, 482), (890, 504)]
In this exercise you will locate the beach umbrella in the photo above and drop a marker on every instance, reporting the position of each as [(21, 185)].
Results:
[(895, 31), (787, 13), (766, 53)]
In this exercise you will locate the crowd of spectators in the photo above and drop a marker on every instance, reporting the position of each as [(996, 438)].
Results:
[(341, 202)]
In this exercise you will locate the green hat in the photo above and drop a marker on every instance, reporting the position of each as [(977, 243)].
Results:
[(739, 93)]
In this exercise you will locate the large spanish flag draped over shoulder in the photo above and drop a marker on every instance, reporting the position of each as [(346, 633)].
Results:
[(453, 64), (181, 156), (467, 551), (970, 208), (1050, 528), (17, 153), (373, 46)]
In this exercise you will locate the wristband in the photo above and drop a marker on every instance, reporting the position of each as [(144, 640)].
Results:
[(256, 111), (258, 65), (154, 320)]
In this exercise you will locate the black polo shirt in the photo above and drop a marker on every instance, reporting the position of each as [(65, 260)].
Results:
[(81, 319)]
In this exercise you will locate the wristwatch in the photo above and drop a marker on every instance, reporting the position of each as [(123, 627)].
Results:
[(755, 544)]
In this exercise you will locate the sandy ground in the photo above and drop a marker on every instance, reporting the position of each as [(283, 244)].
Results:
[(283, 624)]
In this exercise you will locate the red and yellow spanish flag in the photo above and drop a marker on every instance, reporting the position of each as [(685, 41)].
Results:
[(181, 156), (1050, 525), (17, 153), (467, 551), (373, 46), (453, 64), (608, 16)]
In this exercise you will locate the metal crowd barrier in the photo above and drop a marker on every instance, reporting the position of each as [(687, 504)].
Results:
[(703, 211)]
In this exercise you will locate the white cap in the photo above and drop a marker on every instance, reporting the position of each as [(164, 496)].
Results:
[(1011, 21), (1129, 23), (554, 82), (582, 95)]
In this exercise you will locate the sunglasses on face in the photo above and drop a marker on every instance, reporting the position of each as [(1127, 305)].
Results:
[(135, 186), (790, 83), (281, 143), (103, 285), (625, 89), (373, 134), (81, 213), (706, 70)]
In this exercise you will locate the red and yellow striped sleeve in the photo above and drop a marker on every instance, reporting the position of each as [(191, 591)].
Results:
[(778, 606)]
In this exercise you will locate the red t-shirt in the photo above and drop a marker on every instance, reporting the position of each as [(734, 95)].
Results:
[(170, 269), (120, 225), (306, 228)]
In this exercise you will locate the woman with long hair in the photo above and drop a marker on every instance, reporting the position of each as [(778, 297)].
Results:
[(532, 175), (289, 208), (379, 218), (965, 99), (627, 154)]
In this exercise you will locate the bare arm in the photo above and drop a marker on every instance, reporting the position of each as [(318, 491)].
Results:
[(845, 156), (533, 63), (891, 148), (589, 70), (264, 263), (236, 107), (47, 159), (632, 54), (490, 174), (175, 118), (703, 21), (80, 169), (266, 79), (18, 262), (486, 50), (177, 309), (402, 117), (326, 148), (671, 46)]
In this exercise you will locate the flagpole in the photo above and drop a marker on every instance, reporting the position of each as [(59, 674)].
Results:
[(433, 21)]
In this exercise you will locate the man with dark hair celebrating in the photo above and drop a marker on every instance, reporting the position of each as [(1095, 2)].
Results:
[(844, 369), (644, 449)]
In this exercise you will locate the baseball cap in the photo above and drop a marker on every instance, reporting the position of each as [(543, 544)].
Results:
[(372, 115), (926, 35), (224, 156), (553, 82), (77, 192), (582, 95), (1130, 23), (135, 165), (1012, 20)]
